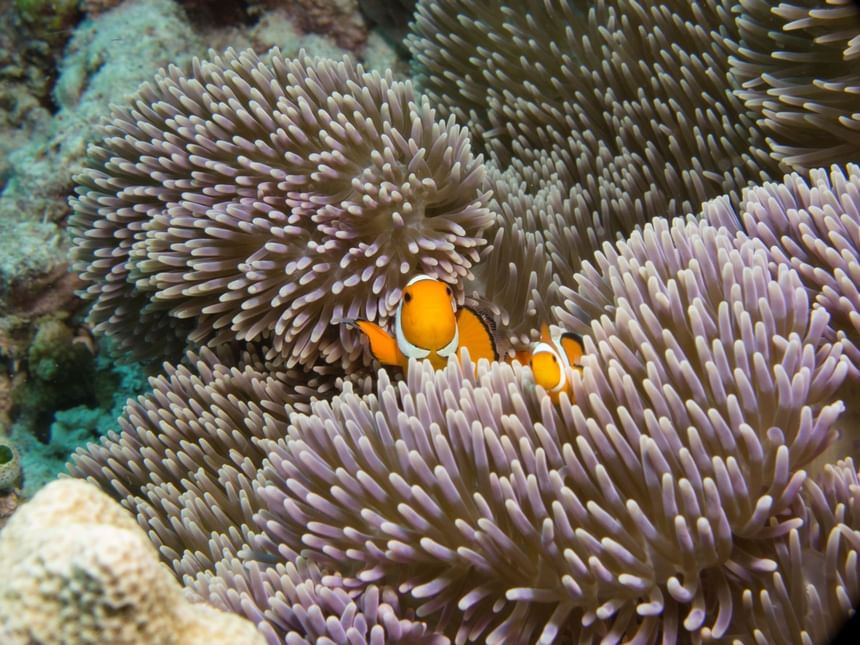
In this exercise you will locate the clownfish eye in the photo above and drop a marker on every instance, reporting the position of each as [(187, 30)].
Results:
[(407, 296), (554, 359)]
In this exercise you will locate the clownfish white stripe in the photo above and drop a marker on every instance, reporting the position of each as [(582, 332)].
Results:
[(410, 350), (451, 347), (560, 357), (418, 278)]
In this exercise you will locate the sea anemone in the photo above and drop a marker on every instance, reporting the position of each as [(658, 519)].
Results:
[(814, 583), (642, 508), (669, 497), (798, 64), (268, 199), (601, 115), (296, 602), (705, 392), (813, 225)]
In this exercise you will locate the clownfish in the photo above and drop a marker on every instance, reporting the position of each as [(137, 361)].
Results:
[(550, 358), (429, 325)]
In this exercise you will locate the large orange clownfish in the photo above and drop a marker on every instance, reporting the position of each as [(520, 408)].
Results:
[(429, 325), (551, 357)]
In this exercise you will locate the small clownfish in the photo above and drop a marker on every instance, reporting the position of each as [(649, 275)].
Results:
[(549, 359), (429, 325)]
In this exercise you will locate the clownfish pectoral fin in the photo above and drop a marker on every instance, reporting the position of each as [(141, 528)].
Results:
[(545, 336), (573, 347), (475, 335), (382, 344), (521, 355)]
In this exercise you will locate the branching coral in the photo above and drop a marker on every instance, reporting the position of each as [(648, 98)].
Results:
[(272, 197)]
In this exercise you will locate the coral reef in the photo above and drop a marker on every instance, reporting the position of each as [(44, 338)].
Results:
[(79, 570), (94, 8), (339, 19), (10, 466), (25, 85), (104, 61), (46, 445), (58, 373), (645, 179), (9, 503), (48, 20), (392, 16), (11, 478), (49, 112), (58, 389)]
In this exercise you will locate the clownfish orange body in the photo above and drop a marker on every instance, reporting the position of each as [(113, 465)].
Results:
[(429, 325), (551, 357)]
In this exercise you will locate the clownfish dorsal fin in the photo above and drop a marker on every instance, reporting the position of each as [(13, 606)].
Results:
[(475, 335), (572, 346), (382, 344)]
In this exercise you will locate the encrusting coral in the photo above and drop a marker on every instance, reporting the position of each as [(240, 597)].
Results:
[(670, 496), (272, 198), (78, 570), (10, 466)]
